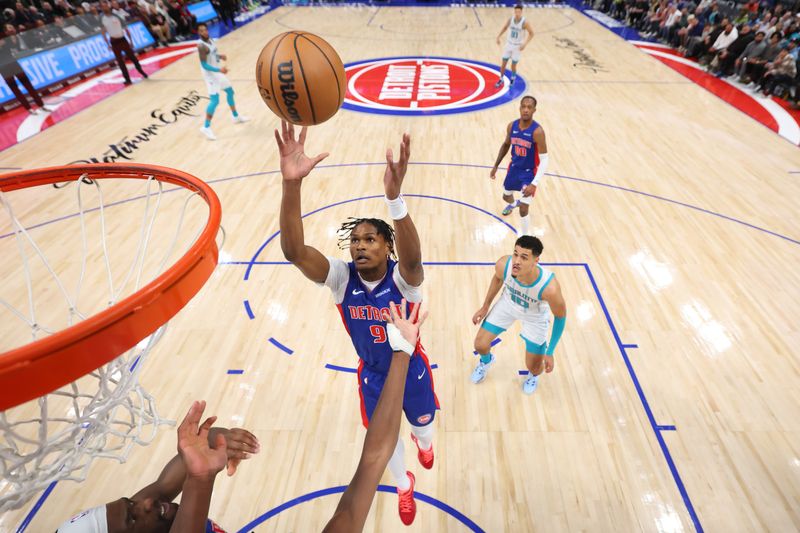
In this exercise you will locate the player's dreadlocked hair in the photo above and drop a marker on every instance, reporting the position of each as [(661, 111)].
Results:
[(384, 229)]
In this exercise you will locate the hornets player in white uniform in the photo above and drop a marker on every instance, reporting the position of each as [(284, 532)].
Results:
[(214, 74), (532, 295), (515, 43)]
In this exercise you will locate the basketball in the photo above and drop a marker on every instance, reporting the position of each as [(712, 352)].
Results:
[(301, 78)]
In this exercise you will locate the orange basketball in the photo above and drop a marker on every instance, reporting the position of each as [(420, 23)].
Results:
[(301, 78)]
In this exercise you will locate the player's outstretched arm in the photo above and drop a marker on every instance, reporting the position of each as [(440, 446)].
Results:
[(503, 151), (295, 166), (494, 287), (240, 445), (409, 251), (381, 439), (203, 463)]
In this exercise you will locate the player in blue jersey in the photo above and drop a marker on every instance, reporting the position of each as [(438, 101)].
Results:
[(379, 443), (362, 290), (528, 164), (532, 295)]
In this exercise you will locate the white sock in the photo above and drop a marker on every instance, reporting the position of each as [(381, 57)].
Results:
[(424, 436), (397, 466), (525, 225)]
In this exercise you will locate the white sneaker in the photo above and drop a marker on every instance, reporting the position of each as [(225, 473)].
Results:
[(529, 385), (241, 119), (208, 133), (479, 374)]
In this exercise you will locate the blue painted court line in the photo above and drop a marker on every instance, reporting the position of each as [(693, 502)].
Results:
[(349, 370), (341, 368), (428, 163), (643, 399), (666, 428), (248, 309), (281, 346), (233, 371), (25, 523), (472, 526), (523, 372), (373, 197), (628, 346)]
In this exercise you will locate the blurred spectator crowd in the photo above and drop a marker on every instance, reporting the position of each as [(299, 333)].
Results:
[(35, 25), (754, 44)]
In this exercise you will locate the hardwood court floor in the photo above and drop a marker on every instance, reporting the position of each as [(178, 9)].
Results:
[(674, 208)]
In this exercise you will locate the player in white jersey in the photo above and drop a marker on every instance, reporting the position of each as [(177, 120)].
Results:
[(515, 43), (214, 74), (532, 295)]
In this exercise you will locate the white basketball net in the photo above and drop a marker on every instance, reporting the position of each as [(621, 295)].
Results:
[(106, 412)]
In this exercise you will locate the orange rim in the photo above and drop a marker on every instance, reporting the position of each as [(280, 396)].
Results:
[(56, 360)]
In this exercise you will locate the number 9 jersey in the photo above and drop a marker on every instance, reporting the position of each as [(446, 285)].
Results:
[(361, 305)]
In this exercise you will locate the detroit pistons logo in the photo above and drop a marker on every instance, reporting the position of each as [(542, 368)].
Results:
[(426, 86)]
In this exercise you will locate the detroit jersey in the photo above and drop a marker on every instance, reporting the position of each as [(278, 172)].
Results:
[(362, 309), (515, 31), (524, 152)]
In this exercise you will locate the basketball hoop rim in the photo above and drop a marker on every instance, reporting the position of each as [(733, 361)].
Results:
[(44, 365)]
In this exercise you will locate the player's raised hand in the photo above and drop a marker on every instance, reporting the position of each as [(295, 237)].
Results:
[(479, 315), (295, 164), (240, 443), (200, 459), (408, 327), (396, 170)]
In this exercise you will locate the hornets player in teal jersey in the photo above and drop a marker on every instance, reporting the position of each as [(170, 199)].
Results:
[(363, 289), (528, 164), (532, 295), (515, 43), (214, 76)]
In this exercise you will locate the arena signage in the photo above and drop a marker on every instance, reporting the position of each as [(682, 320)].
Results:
[(52, 66), (426, 86), (203, 11)]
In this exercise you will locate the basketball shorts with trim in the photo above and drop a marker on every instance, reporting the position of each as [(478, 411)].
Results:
[(512, 51), (419, 401), (517, 178), (535, 324), (216, 82)]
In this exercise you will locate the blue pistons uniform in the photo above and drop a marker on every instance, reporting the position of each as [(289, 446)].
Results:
[(524, 157), (361, 305)]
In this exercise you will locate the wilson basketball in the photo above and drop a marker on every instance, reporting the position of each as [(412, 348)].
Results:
[(301, 78)]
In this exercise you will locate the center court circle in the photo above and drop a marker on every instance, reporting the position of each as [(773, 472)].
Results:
[(421, 85)]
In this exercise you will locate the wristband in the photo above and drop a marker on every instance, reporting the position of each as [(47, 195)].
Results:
[(397, 208), (397, 341)]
